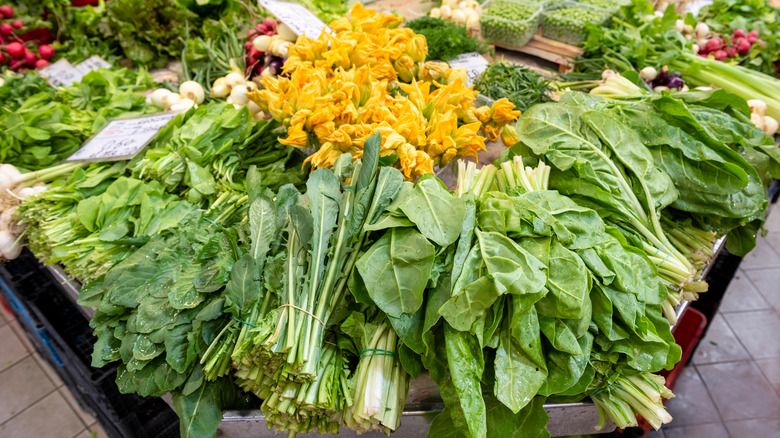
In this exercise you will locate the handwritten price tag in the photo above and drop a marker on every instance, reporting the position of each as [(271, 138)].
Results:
[(472, 62), (122, 139), (92, 63), (298, 18), (61, 73)]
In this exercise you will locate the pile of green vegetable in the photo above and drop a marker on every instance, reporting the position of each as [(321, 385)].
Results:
[(446, 40), (568, 22), (521, 85), (509, 22), (46, 125), (639, 39)]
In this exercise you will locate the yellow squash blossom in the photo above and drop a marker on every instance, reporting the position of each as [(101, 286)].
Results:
[(371, 76)]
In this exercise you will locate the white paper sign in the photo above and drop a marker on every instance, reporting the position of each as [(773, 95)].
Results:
[(298, 18), (472, 62), (61, 73), (93, 63), (122, 139)]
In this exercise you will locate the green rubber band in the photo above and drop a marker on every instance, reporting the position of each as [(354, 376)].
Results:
[(377, 352), (214, 223), (665, 259), (247, 323), (380, 354), (662, 247)]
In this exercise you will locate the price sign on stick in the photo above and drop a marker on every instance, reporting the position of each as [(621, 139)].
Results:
[(122, 139), (472, 62), (61, 73), (92, 63), (296, 17)]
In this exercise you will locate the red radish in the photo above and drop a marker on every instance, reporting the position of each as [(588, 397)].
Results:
[(46, 51), (18, 24), (720, 55), (254, 53), (732, 51), (270, 23), (247, 46), (16, 50), (760, 41), (739, 33), (16, 64), (712, 45), (6, 11), (30, 58), (6, 29), (41, 63), (743, 46), (753, 33), (3, 59), (751, 39), (262, 28)]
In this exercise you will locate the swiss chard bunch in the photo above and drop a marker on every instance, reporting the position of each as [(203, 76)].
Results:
[(527, 289), (719, 162)]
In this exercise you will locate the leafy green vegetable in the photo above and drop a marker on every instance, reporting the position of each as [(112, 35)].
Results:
[(522, 86), (446, 40)]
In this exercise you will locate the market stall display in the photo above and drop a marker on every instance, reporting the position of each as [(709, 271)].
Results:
[(311, 235)]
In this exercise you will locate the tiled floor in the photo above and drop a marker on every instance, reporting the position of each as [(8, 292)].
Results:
[(33, 400), (731, 388)]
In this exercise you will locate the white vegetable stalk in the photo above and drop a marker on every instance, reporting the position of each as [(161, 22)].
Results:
[(381, 386), (627, 396), (12, 179)]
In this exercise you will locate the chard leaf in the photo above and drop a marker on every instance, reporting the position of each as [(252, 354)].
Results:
[(518, 378), (568, 283), (395, 270), (466, 364), (436, 212)]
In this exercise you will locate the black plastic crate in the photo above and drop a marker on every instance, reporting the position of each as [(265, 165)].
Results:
[(20, 268), (62, 336)]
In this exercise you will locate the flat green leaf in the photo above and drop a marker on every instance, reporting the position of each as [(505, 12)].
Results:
[(437, 213), (200, 412), (243, 289), (395, 270)]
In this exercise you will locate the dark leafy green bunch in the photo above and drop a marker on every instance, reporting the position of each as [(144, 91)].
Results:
[(158, 311), (522, 86), (446, 40), (207, 151)]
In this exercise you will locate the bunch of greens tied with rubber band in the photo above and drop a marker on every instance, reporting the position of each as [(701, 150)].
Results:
[(531, 296), (288, 296)]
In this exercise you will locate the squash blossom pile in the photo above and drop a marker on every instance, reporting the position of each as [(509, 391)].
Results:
[(370, 76)]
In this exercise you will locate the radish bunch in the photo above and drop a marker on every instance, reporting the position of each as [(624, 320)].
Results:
[(267, 45), (14, 51), (728, 47), (663, 80)]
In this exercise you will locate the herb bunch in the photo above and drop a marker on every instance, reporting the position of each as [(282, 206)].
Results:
[(446, 40)]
